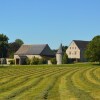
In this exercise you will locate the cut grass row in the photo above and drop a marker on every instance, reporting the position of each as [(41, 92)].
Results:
[(41, 90), (51, 83), (17, 82)]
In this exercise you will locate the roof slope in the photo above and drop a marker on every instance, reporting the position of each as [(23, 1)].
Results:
[(47, 51), (34, 50), (81, 44), (60, 50)]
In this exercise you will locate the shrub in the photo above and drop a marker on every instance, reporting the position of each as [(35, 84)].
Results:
[(53, 61), (42, 61), (34, 61), (12, 62), (65, 59), (28, 61)]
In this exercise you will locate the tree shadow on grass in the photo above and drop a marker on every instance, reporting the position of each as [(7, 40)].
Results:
[(96, 64), (2, 66)]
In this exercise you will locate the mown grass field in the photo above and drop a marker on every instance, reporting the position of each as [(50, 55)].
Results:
[(64, 82)]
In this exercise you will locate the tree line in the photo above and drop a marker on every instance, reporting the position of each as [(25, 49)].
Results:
[(7, 50), (92, 52)]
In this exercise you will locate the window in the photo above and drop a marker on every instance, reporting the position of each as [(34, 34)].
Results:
[(75, 52), (69, 53)]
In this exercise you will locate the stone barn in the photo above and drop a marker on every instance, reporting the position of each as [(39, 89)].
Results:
[(30, 51)]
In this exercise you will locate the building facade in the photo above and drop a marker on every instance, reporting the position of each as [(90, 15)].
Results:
[(30, 51), (76, 50)]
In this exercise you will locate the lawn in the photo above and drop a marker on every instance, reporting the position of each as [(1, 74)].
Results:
[(50, 82)]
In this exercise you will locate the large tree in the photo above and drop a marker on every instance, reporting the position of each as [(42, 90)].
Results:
[(13, 47), (3, 45), (92, 52), (19, 41)]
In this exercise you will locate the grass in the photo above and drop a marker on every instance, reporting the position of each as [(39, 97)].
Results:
[(50, 82)]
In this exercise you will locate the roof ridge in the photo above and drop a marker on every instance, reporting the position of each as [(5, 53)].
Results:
[(35, 44), (81, 43), (79, 40)]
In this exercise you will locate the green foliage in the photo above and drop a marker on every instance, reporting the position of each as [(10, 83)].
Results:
[(64, 49), (92, 52), (28, 61), (12, 62), (53, 61), (34, 61), (19, 41), (13, 47), (42, 61), (65, 59), (3, 45)]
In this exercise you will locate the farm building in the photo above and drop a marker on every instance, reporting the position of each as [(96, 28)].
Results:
[(30, 51), (59, 55), (76, 49)]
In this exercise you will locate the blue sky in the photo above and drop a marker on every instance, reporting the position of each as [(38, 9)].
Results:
[(50, 21)]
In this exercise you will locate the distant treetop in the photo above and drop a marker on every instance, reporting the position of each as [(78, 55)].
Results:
[(19, 41)]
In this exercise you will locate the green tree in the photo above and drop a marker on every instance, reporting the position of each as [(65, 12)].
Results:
[(42, 61), (19, 41), (28, 61), (34, 61), (53, 61), (64, 49), (92, 52), (65, 59), (3, 45), (13, 47)]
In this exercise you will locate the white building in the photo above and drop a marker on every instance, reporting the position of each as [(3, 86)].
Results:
[(76, 50), (59, 55)]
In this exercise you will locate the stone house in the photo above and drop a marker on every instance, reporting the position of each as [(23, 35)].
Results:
[(30, 51), (76, 49)]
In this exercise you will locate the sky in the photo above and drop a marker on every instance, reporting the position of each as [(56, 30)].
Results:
[(50, 21)]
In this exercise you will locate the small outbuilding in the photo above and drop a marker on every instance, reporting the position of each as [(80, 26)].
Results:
[(59, 55), (30, 51)]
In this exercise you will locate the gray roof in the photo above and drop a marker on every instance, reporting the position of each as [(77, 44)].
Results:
[(60, 50), (42, 49), (81, 44)]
